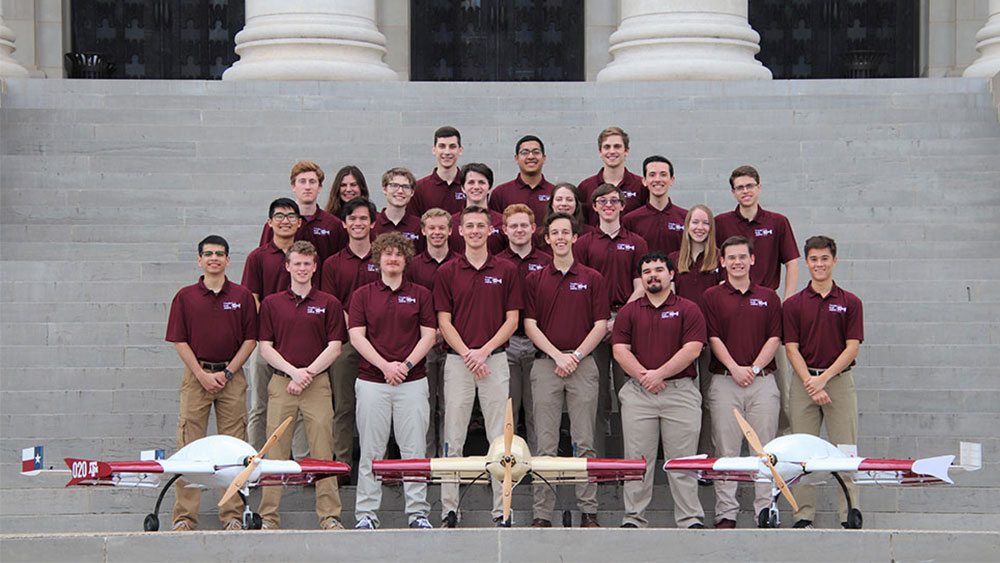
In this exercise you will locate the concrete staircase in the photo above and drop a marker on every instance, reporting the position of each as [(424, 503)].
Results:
[(108, 185)]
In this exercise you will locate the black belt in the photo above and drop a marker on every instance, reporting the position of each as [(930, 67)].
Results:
[(815, 371), (726, 372), (539, 355), (214, 366), (499, 350), (281, 373)]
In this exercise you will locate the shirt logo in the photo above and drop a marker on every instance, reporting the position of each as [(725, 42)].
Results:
[(630, 195), (577, 286), (406, 299), (411, 236), (490, 280), (459, 195), (372, 268), (313, 310), (670, 314), (320, 231), (757, 302), (623, 246), (762, 232), (543, 197), (230, 305), (675, 227), (494, 231), (834, 308), (534, 267)]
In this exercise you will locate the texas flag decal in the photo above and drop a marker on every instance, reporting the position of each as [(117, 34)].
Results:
[(31, 459)]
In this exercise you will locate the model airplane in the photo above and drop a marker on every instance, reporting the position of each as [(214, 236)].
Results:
[(807, 459), (508, 461), (212, 462)]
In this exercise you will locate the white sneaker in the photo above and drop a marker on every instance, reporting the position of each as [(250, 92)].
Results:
[(366, 523), (421, 522)]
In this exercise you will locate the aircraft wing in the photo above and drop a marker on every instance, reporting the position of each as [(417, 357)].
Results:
[(306, 471), (433, 470), (717, 468), (561, 470), (926, 471), (88, 472)]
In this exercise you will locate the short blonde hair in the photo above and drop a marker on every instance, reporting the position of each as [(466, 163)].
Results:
[(307, 166)]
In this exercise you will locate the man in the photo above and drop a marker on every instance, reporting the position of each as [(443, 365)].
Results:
[(530, 187), (397, 185), (436, 228), (519, 227), (443, 187), (657, 339), (301, 330), (213, 325), (659, 221), (263, 274), (566, 316), (477, 179), (344, 272), (477, 297), (774, 245), (325, 231), (744, 332), (614, 251), (824, 327), (392, 326), (612, 146)]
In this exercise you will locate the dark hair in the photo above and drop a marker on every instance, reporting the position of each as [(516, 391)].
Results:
[(572, 221), (479, 168), (445, 132), (392, 239), (655, 257), (357, 202), (333, 203), (735, 241), (528, 139), (213, 239), (282, 202), (473, 209), (657, 158), (820, 241), (744, 171), (605, 189), (578, 212)]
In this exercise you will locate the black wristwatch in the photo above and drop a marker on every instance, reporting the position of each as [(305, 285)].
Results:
[(408, 364), (229, 374)]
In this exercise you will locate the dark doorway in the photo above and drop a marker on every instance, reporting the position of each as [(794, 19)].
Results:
[(496, 40), (837, 38), (164, 39)]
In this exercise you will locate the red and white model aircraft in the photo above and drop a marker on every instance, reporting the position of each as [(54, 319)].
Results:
[(213, 462), (509, 461), (807, 459)]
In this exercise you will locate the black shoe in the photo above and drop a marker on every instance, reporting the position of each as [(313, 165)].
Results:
[(629, 525), (704, 483), (696, 526), (803, 524), (498, 522), (450, 521)]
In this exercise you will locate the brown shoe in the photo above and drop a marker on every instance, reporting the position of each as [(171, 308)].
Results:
[(725, 524), (541, 523), (589, 521)]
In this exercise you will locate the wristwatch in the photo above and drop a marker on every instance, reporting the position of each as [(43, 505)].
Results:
[(408, 364), (579, 356), (229, 374), (755, 370)]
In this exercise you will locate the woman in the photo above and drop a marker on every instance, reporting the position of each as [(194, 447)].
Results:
[(348, 184), (566, 199)]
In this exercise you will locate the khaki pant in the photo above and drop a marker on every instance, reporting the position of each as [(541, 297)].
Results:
[(783, 377), (674, 416), (841, 417), (460, 387), (580, 392), (434, 364), (403, 409), (260, 376), (343, 374), (705, 445), (759, 404), (609, 371), (192, 424), (520, 357), (315, 404)]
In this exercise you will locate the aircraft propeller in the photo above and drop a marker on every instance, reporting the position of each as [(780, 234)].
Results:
[(241, 479), (755, 444), (508, 481)]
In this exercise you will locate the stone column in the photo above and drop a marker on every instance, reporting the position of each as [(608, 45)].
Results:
[(988, 45), (684, 40), (310, 40), (9, 68)]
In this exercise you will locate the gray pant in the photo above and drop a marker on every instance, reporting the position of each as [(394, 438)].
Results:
[(520, 357)]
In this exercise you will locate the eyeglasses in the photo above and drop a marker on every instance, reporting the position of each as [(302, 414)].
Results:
[(399, 187), (531, 152), (744, 187), (279, 217), (210, 253), (602, 201)]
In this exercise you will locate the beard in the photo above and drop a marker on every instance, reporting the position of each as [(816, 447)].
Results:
[(654, 287)]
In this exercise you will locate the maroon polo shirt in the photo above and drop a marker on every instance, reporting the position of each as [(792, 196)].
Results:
[(693, 283), (301, 328), (566, 306), (533, 262), (393, 320), (345, 271), (264, 272), (617, 259), (423, 269), (822, 326), (636, 194), (517, 191), (214, 325), (661, 229), (743, 321), (431, 191), (773, 242), (657, 333), (496, 242), (478, 300), (409, 226), (323, 229)]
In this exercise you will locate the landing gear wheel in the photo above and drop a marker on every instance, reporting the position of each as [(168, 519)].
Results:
[(854, 519), (151, 523), (768, 518), (567, 519), (253, 522)]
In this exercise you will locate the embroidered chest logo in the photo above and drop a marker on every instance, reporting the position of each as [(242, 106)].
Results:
[(834, 308), (321, 231), (543, 197), (459, 195), (630, 195), (623, 246), (754, 302), (372, 268), (670, 314), (762, 232), (412, 236), (534, 267), (494, 231), (230, 305), (406, 299), (675, 226), (313, 310), (491, 280), (577, 286)]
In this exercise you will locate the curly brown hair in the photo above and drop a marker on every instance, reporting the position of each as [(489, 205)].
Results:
[(392, 239)]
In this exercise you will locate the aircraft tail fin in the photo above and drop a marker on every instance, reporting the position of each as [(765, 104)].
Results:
[(936, 467)]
